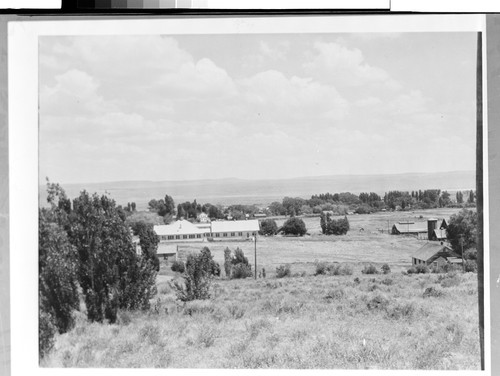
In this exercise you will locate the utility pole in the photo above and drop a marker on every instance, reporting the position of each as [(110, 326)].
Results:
[(255, 254), (462, 245)]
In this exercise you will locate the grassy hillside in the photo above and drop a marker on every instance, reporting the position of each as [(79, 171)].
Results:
[(349, 322)]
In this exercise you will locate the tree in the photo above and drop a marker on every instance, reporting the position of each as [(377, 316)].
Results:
[(331, 226), (240, 267), (470, 200), (169, 206), (462, 230), (294, 226), (148, 241), (460, 197), (110, 273), (199, 271), (268, 227), (57, 268), (277, 208)]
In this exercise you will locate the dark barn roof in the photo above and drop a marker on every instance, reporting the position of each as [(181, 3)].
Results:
[(433, 250)]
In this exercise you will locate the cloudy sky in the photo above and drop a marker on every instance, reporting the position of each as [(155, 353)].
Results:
[(255, 106)]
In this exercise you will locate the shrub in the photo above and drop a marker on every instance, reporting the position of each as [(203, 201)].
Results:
[(227, 262), (418, 269), (335, 294), (401, 310), (387, 281), (470, 254), (386, 269), (268, 227), (369, 269), (240, 267), (340, 269), (452, 281), (422, 269), (283, 271), (377, 302), (178, 266), (241, 271), (294, 226), (470, 266), (321, 268), (432, 292), (197, 277)]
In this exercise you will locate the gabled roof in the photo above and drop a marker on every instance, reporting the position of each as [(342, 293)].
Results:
[(408, 227), (235, 226), (430, 249), (181, 227), (440, 234)]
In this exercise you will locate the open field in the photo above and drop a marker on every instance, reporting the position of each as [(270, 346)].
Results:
[(368, 246), (381, 321), (354, 321)]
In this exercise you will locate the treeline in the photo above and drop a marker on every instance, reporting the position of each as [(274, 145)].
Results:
[(342, 203), (368, 202), (86, 245)]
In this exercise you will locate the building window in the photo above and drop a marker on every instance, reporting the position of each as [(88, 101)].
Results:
[(191, 236), (224, 234), (177, 236), (170, 237), (232, 234), (184, 236), (198, 236)]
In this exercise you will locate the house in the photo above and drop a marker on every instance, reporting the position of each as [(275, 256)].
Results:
[(185, 231), (433, 254)]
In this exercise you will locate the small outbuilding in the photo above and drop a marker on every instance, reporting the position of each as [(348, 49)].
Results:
[(433, 254)]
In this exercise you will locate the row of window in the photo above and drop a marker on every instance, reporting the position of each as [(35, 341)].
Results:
[(208, 235)]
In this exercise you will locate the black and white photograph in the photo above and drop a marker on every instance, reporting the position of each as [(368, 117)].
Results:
[(279, 199)]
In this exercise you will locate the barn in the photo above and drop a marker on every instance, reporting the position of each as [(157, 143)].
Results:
[(422, 230), (433, 254)]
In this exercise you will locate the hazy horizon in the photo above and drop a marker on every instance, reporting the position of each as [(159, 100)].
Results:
[(252, 179), (255, 106)]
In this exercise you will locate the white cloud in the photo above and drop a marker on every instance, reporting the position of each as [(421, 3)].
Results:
[(347, 67)]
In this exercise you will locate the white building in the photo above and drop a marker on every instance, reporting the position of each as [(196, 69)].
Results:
[(185, 231)]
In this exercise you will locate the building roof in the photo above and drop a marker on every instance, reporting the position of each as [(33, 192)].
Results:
[(440, 233), (235, 226), (430, 249), (181, 227), (411, 227)]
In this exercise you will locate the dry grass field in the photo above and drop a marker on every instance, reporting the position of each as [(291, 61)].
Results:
[(358, 321)]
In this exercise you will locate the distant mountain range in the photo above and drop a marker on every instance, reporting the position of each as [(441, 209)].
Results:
[(262, 192)]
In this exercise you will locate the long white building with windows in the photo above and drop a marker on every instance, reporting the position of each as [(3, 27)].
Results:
[(185, 231)]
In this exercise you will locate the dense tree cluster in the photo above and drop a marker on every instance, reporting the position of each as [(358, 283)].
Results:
[(87, 244), (330, 226), (462, 230), (294, 226), (268, 227)]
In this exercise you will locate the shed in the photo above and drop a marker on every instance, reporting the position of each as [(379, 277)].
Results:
[(431, 253)]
